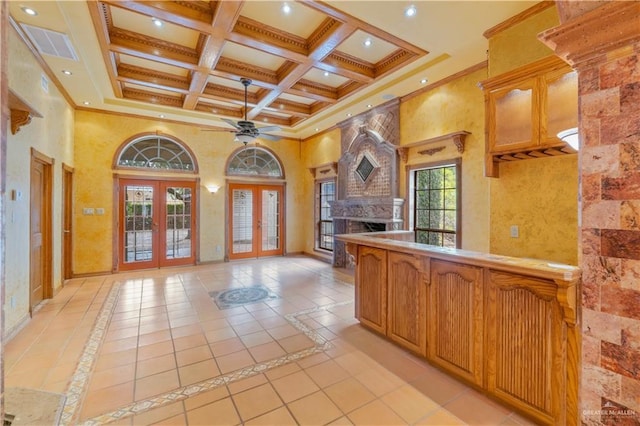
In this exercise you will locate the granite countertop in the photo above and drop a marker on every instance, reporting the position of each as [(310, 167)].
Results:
[(392, 240)]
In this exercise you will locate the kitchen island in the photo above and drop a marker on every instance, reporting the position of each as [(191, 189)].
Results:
[(507, 326)]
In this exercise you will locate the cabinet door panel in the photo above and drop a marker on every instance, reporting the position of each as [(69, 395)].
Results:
[(372, 288), (455, 340), (407, 302), (515, 124), (524, 345), (561, 105)]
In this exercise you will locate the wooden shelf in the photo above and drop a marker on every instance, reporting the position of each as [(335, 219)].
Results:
[(456, 137)]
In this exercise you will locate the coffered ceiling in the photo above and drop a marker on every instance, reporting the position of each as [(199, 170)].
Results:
[(310, 65)]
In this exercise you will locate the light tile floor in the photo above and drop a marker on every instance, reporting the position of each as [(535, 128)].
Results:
[(152, 347)]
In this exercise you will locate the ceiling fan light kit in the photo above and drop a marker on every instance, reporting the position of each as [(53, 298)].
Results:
[(245, 130)]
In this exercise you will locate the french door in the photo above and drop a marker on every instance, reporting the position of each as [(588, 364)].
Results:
[(156, 225), (256, 218)]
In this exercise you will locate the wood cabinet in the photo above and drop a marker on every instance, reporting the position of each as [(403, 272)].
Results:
[(407, 301), (526, 108), (371, 288), (455, 319), (525, 342), (507, 326)]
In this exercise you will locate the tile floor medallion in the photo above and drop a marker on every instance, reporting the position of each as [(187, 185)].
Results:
[(224, 300), (242, 296)]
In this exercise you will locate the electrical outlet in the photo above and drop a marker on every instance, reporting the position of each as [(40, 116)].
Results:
[(87, 211), (515, 232)]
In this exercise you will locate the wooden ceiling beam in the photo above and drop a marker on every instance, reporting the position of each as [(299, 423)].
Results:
[(152, 78), (226, 15), (169, 11)]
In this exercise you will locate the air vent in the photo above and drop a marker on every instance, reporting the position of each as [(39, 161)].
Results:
[(51, 43)]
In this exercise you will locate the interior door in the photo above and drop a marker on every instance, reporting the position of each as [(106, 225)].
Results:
[(67, 222), (156, 223), (40, 229), (256, 218)]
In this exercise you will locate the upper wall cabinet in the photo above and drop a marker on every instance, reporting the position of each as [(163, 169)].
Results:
[(526, 108)]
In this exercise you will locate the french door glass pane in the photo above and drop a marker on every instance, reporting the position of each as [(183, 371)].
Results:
[(178, 222), (138, 223), (270, 220), (242, 221)]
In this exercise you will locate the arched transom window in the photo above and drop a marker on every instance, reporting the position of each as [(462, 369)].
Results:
[(254, 161), (156, 152)]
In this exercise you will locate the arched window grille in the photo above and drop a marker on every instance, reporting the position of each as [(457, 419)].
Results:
[(156, 152), (254, 161)]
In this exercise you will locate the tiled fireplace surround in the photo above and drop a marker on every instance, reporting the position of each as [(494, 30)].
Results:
[(369, 202)]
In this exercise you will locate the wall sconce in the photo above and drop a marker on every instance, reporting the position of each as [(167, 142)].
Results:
[(213, 188), (570, 136)]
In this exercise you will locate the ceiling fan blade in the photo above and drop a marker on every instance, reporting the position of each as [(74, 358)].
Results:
[(269, 129), (269, 137), (231, 122), (219, 130)]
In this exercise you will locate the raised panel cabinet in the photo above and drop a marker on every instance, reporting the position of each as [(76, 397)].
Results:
[(406, 321), (525, 350), (371, 288), (455, 328)]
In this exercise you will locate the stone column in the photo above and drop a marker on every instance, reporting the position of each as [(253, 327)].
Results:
[(601, 40)]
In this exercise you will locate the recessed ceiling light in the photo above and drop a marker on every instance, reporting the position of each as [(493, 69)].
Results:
[(317, 130), (286, 9), (348, 114), (156, 22), (410, 11), (29, 11), (161, 116), (423, 81), (66, 72), (326, 73), (367, 42), (86, 103), (369, 106)]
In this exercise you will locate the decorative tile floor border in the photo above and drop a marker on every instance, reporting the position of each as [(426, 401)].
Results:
[(80, 380), (77, 387)]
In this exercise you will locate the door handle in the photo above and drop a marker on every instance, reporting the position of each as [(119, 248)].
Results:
[(67, 231)]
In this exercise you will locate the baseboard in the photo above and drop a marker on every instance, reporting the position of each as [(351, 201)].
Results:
[(13, 331), (320, 257), (91, 274)]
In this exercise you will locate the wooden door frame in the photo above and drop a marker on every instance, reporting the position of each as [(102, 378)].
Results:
[(227, 212), (67, 222), (115, 241), (47, 214)]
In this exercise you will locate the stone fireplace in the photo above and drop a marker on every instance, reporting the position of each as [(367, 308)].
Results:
[(367, 184)]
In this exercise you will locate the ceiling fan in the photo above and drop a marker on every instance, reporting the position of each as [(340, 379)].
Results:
[(245, 130)]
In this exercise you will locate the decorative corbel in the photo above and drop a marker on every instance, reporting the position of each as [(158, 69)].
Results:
[(567, 297), (21, 112)]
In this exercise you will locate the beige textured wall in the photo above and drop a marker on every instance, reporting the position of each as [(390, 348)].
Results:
[(317, 150), (455, 106), (539, 196), (51, 135), (98, 136), (518, 45)]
